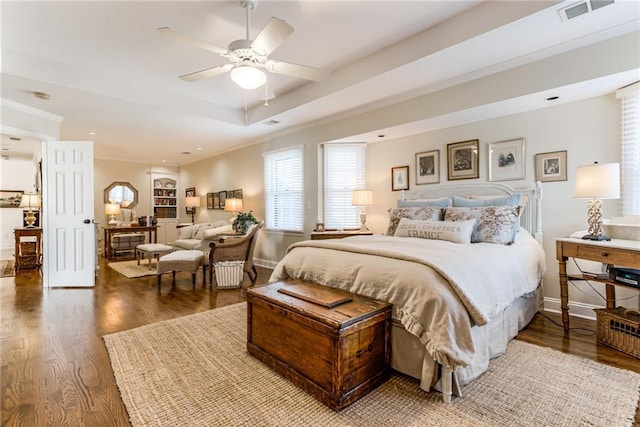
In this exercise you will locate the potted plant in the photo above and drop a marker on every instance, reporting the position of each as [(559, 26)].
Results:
[(243, 221)]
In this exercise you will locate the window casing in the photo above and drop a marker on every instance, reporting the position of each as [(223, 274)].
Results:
[(344, 170), (630, 149), (284, 189)]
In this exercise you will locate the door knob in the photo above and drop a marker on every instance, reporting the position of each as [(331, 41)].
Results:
[(87, 221)]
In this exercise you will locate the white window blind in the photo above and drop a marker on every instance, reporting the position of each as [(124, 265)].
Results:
[(284, 195), (630, 149), (344, 171)]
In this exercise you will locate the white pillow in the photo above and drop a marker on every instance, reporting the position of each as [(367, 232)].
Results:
[(451, 231), (214, 231), (186, 232)]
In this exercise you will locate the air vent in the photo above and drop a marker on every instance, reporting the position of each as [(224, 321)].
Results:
[(272, 123), (582, 8), (14, 138)]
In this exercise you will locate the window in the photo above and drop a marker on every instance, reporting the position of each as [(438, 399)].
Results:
[(630, 149), (344, 171), (284, 195)]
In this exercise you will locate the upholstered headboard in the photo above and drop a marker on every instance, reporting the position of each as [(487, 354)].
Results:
[(530, 219)]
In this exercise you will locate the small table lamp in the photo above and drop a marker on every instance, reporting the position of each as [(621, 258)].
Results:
[(234, 206), (595, 182), (30, 201), (112, 209), (362, 198), (192, 202)]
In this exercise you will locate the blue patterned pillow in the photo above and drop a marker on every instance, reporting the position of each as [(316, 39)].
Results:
[(512, 200), (443, 202), (395, 214)]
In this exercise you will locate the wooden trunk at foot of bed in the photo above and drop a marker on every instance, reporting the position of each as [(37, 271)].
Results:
[(335, 354)]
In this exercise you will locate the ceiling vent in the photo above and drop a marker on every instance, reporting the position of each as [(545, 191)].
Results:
[(581, 8), (272, 123)]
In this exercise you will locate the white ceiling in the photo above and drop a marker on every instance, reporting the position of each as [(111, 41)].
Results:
[(108, 71)]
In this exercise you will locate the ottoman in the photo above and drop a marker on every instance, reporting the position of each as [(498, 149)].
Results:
[(188, 261), (152, 250)]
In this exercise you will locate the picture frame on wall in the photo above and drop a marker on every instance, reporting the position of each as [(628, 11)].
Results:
[(399, 178), (551, 166), (10, 198), (190, 192), (237, 193), (463, 160), (223, 198), (506, 160), (428, 167), (216, 201), (210, 201)]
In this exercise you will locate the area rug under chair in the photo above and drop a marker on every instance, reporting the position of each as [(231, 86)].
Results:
[(195, 371), (7, 268), (131, 269)]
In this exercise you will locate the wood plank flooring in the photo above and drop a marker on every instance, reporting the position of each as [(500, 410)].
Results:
[(55, 367)]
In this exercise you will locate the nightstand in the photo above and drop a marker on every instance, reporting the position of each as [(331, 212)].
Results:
[(615, 252), (338, 234)]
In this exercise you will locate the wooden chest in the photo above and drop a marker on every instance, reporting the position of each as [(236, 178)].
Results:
[(331, 343)]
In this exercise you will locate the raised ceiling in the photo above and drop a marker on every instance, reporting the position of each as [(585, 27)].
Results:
[(108, 71)]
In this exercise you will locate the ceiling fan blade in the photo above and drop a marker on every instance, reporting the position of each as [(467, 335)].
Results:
[(272, 35), (299, 71), (206, 73), (192, 40)]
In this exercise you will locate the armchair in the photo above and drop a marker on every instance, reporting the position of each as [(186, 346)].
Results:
[(236, 249)]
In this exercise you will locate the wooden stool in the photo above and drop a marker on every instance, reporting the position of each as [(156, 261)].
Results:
[(189, 261)]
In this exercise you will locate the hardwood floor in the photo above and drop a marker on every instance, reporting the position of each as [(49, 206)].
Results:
[(55, 367)]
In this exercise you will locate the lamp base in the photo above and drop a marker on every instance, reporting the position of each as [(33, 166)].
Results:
[(600, 237)]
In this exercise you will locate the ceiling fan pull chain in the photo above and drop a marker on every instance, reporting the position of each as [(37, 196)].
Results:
[(246, 114), (266, 93)]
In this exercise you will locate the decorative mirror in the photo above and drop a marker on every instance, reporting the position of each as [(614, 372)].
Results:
[(121, 193)]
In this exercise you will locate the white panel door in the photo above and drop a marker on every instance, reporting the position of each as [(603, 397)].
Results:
[(69, 233)]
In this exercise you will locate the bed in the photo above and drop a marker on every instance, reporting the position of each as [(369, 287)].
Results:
[(456, 304)]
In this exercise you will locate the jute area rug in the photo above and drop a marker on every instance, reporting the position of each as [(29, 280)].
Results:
[(7, 268), (195, 371), (131, 269)]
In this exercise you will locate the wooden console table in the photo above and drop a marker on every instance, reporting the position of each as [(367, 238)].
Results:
[(31, 259), (335, 234), (624, 253), (109, 231)]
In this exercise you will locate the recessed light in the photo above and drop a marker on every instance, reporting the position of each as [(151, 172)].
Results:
[(552, 98), (199, 148), (91, 132), (164, 161)]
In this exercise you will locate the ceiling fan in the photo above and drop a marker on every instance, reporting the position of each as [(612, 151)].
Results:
[(249, 57)]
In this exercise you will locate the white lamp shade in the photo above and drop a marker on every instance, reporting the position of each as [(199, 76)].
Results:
[(112, 209), (362, 198), (233, 205), (598, 181), (248, 77), (192, 202), (30, 200)]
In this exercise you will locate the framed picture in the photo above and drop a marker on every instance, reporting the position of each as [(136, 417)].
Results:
[(506, 160), (190, 192), (237, 194), (10, 198), (551, 166), (320, 227), (428, 167), (216, 201), (210, 201), (230, 195), (400, 178), (223, 198), (462, 160)]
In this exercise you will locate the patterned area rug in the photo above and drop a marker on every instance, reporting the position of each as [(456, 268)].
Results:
[(131, 269), (7, 268), (195, 371)]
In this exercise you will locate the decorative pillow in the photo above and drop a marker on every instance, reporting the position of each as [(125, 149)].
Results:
[(201, 231), (451, 231), (495, 224), (186, 232), (428, 212), (524, 198), (214, 231), (462, 202), (442, 202)]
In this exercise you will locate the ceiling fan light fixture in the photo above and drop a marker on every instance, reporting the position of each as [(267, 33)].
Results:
[(248, 77)]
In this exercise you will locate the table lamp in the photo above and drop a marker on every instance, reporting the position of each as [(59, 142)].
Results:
[(112, 209), (234, 206), (362, 198), (30, 201), (192, 202), (595, 182)]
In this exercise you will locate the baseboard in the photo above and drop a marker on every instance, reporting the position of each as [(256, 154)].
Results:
[(576, 309), (265, 263)]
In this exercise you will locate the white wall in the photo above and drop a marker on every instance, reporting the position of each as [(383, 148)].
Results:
[(16, 174)]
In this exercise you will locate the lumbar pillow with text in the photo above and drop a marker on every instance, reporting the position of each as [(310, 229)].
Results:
[(451, 231), (428, 212)]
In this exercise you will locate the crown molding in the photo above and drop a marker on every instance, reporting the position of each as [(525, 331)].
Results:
[(30, 110)]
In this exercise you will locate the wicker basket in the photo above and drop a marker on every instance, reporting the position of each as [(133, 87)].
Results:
[(229, 274), (619, 328)]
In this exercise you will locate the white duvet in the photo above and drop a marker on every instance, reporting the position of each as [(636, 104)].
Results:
[(439, 289)]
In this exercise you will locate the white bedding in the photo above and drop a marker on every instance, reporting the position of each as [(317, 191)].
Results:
[(439, 289)]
